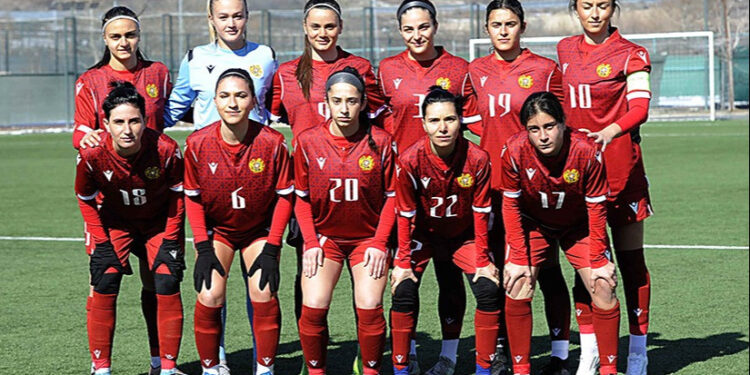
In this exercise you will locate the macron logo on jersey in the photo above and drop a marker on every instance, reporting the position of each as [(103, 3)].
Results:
[(565, 67), (425, 182), (397, 82), (398, 171), (483, 80), (108, 175), (530, 173), (638, 312), (213, 167), (79, 86), (321, 162), (642, 55), (634, 206), (210, 68)]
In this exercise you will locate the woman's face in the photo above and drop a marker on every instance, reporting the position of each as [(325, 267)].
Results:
[(234, 100), (121, 37), (125, 124), (442, 124), (345, 102), (595, 15), (505, 28), (322, 28), (418, 30), (228, 18)]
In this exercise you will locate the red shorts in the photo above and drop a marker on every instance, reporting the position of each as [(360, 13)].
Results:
[(143, 245), (461, 252), (238, 240), (633, 203), (340, 251), (543, 245)]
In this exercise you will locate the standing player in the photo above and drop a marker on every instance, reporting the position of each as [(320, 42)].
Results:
[(238, 183), (405, 79), (345, 184), (607, 94), (137, 175), (502, 81), (123, 61), (443, 193), (202, 65), (555, 189)]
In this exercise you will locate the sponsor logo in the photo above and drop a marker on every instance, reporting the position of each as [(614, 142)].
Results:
[(483, 80), (638, 312), (108, 175), (210, 68), (565, 67), (604, 70), (78, 159), (207, 362), (97, 353), (321, 162), (372, 363), (611, 358), (598, 156), (634, 207), (79, 86), (366, 163), (152, 173), (425, 182), (571, 176), (213, 167), (449, 320), (642, 55), (492, 357), (313, 362), (502, 153), (518, 358), (579, 312), (397, 82), (257, 165), (398, 171), (556, 331), (394, 147), (256, 71), (608, 255), (152, 90), (444, 82), (465, 180), (525, 81), (173, 253), (267, 360), (530, 172), (399, 358)]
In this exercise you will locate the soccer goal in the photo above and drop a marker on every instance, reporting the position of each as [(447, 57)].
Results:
[(682, 77)]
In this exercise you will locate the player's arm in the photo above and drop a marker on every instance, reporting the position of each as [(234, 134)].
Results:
[(481, 207), (85, 131), (511, 210), (596, 203), (193, 205), (182, 95), (87, 190), (471, 116)]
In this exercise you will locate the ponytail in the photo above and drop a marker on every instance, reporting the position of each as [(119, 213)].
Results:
[(304, 71), (112, 13)]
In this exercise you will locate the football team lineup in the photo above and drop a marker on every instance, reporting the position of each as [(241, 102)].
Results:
[(514, 175)]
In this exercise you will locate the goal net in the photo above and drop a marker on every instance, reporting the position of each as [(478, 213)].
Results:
[(682, 70)]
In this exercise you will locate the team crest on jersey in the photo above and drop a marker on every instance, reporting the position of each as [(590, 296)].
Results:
[(444, 82), (571, 176), (525, 81), (152, 173), (152, 90), (465, 180), (256, 71), (257, 165), (366, 163), (604, 70)]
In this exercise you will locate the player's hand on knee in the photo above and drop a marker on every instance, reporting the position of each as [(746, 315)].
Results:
[(607, 272), (91, 139), (490, 271), (205, 264), (512, 273), (312, 259), (400, 274), (102, 259), (375, 262), (268, 264), (170, 254)]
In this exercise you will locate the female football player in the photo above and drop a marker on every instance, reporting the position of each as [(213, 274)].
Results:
[(135, 176), (607, 96), (444, 204), (345, 184), (502, 81), (123, 61), (238, 184), (555, 192)]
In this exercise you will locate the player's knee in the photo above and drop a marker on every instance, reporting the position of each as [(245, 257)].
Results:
[(523, 289), (487, 294), (405, 297), (109, 283), (166, 284)]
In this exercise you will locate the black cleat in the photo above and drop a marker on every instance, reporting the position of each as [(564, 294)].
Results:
[(556, 366), (501, 362)]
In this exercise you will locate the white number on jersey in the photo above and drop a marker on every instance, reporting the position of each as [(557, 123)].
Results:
[(420, 100), (351, 189), (323, 110), (560, 198), (238, 202), (503, 101), (582, 98), (138, 199), (439, 201)]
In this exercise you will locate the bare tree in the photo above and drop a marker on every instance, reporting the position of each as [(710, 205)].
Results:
[(729, 19)]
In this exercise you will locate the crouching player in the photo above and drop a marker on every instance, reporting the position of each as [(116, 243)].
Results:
[(443, 193), (555, 192), (138, 172), (238, 197)]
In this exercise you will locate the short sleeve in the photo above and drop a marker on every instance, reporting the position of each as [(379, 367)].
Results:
[(510, 182), (638, 61), (389, 168), (85, 186), (596, 181), (285, 173), (301, 167), (176, 170), (406, 190), (470, 111), (85, 115), (192, 186), (482, 202)]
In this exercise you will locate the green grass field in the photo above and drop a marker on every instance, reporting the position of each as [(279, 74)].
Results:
[(699, 184)]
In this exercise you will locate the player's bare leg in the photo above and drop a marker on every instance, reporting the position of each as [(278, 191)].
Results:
[(606, 316), (371, 325), (628, 244)]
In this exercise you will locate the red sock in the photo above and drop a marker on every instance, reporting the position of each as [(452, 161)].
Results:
[(556, 302), (266, 328), (486, 326), (519, 324), (582, 300), (207, 326), (402, 325), (637, 284), (313, 337), (149, 310), (169, 317), (371, 333), (101, 327), (607, 326)]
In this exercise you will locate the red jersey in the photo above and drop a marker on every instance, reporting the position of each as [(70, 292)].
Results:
[(346, 181), (150, 78), (134, 189), (594, 81), (443, 196), (555, 192), (405, 83), (302, 113), (502, 88), (237, 184)]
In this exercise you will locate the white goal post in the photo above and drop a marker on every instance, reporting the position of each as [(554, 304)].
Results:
[(683, 76)]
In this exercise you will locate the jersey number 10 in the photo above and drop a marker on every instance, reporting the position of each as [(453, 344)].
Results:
[(582, 98)]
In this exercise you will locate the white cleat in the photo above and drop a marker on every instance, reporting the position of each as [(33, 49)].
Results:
[(588, 364), (223, 369), (637, 364)]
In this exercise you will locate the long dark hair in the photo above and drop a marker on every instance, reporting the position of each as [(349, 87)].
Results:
[(364, 118), (542, 102), (304, 71), (238, 73), (123, 93), (405, 6), (437, 94), (112, 13), (573, 3), (511, 5)]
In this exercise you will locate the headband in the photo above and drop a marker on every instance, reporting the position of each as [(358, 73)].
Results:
[(331, 7), (115, 18), (415, 4), (345, 77)]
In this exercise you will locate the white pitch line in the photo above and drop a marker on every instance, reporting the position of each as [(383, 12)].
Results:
[(685, 247)]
